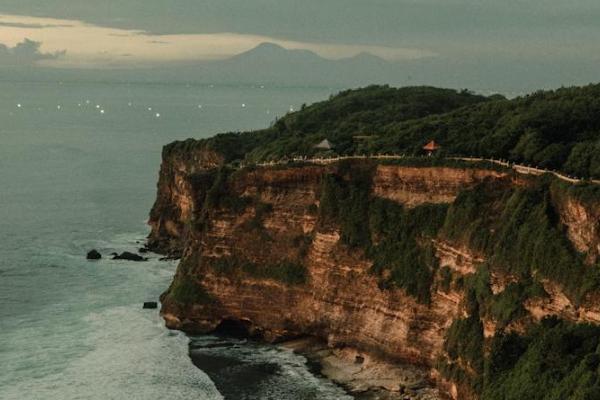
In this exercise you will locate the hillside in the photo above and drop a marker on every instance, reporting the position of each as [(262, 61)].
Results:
[(548, 129)]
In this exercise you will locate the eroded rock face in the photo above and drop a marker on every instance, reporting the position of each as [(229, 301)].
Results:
[(341, 301), (174, 203), (413, 186), (583, 226)]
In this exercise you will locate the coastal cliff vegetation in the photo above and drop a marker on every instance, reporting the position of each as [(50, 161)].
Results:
[(557, 129)]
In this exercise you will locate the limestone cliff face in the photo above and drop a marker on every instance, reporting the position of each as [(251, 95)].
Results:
[(583, 226), (174, 204), (412, 186), (340, 300)]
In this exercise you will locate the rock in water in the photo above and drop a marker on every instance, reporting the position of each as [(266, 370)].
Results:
[(150, 304), (93, 255), (128, 256)]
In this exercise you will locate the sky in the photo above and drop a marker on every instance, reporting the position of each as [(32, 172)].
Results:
[(133, 33)]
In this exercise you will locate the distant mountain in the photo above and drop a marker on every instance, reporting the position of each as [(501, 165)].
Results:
[(271, 63)]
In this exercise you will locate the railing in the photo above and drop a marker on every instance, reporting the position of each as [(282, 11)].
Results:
[(521, 169)]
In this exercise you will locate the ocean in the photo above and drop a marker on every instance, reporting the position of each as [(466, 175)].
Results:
[(79, 164)]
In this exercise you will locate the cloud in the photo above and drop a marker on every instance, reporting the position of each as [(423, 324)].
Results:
[(33, 26), (26, 52), (89, 45)]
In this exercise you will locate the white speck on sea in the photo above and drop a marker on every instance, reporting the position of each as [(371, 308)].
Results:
[(58, 107), (87, 102), (97, 105), (101, 111), (130, 104), (199, 105), (78, 104), (19, 105), (157, 115), (243, 105), (149, 108)]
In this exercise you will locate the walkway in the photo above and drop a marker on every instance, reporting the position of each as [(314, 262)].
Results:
[(521, 169)]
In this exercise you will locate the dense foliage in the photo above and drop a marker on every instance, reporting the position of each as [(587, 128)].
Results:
[(519, 231), (398, 240), (557, 129), (287, 271), (554, 360), (184, 291)]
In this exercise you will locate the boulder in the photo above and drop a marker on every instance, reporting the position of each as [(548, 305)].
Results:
[(93, 255), (150, 304), (128, 256)]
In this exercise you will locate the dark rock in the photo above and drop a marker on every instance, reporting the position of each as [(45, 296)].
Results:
[(150, 304), (93, 255), (142, 250), (128, 256)]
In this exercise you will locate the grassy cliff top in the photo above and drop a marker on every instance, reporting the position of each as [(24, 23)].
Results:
[(557, 129)]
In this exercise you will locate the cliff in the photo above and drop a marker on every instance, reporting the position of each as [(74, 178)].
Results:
[(393, 260)]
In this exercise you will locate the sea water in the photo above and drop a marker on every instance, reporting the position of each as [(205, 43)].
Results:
[(78, 169)]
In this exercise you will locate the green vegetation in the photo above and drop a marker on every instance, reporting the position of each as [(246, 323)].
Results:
[(519, 231), (557, 129), (446, 279), (220, 194), (554, 360), (261, 210), (361, 112), (345, 200), (403, 255), (185, 291), (504, 307), (464, 347), (398, 240), (287, 271)]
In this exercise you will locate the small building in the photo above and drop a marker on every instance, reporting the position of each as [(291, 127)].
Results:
[(324, 145), (431, 147)]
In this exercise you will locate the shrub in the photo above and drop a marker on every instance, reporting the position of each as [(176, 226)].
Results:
[(286, 271), (184, 291)]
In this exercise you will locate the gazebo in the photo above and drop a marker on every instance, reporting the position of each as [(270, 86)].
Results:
[(431, 147), (324, 145)]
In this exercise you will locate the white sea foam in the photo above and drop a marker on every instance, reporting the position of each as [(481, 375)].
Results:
[(131, 356)]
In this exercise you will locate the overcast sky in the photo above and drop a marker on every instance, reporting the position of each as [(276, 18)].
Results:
[(135, 32)]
